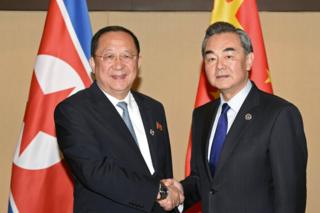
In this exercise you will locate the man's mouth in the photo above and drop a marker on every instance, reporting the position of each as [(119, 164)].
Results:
[(119, 77), (222, 76)]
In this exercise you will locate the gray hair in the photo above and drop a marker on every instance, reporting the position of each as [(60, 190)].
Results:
[(224, 27)]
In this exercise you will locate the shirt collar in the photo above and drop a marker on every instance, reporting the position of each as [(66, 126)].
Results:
[(129, 99), (236, 101)]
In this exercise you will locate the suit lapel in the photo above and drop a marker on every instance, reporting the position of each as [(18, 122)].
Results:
[(240, 124), (146, 116), (209, 118), (110, 118)]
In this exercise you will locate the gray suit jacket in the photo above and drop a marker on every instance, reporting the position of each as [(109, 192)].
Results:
[(262, 167)]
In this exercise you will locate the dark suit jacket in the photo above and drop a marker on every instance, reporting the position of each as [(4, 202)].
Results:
[(262, 167), (109, 172)]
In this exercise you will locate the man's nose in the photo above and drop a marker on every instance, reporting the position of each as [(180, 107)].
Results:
[(220, 63), (118, 63)]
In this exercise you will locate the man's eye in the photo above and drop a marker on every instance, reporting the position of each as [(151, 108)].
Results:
[(210, 59), (108, 57), (126, 56)]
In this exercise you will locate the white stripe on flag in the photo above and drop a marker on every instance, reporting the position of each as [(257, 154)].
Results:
[(13, 204), (74, 37)]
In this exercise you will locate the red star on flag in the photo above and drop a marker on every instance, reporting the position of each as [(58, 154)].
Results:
[(39, 112)]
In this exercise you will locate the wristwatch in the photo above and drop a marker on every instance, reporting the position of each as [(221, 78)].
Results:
[(163, 191)]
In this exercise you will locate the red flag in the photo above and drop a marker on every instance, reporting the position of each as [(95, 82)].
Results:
[(242, 14), (40, 181)]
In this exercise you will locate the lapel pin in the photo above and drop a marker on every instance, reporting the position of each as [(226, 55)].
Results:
[(248, 116), (152, 132), (158, 126)]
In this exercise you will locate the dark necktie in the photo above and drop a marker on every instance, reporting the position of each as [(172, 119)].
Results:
[(126, 118), (218, 139)]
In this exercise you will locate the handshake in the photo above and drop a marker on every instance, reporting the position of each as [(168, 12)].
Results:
[(170, 194)]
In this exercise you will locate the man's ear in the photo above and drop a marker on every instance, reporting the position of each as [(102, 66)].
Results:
[(92, 64), (139, 61), (249, 61)]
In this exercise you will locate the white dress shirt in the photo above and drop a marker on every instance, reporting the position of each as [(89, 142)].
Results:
[(235, 104), (137, 124)]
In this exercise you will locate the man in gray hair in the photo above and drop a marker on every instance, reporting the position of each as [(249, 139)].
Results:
[(249, 151)]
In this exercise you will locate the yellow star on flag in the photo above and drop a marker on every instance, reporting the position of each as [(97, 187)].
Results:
[(226, 11), (268, 80)]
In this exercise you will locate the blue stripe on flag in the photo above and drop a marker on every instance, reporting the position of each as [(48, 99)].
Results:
[(78, 13)]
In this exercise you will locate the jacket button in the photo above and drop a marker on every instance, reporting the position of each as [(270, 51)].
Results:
[(212, 191)]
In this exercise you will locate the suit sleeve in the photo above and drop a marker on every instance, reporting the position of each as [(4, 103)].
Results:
[(168, 158), (191, 183), (288, 155), (101, 174)]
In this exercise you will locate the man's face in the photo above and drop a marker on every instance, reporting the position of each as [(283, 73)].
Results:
[(115, 63), (226, 64)]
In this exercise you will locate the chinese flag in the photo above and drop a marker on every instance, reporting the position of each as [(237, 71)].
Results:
[(40, 181), (242, 14)]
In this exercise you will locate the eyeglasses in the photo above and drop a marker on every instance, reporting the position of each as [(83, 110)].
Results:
[(112, 57)]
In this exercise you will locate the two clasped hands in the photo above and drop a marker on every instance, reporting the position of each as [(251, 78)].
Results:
[(174, 197)]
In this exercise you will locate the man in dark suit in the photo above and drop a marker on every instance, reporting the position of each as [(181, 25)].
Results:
[(114, 140), (249, 150)]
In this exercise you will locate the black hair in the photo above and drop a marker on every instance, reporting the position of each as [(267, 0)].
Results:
[(95, 38)]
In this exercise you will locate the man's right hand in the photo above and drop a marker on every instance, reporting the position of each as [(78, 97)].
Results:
[(175, 194)]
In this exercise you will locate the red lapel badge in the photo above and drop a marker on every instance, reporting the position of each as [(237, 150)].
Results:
[(159, 126)]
